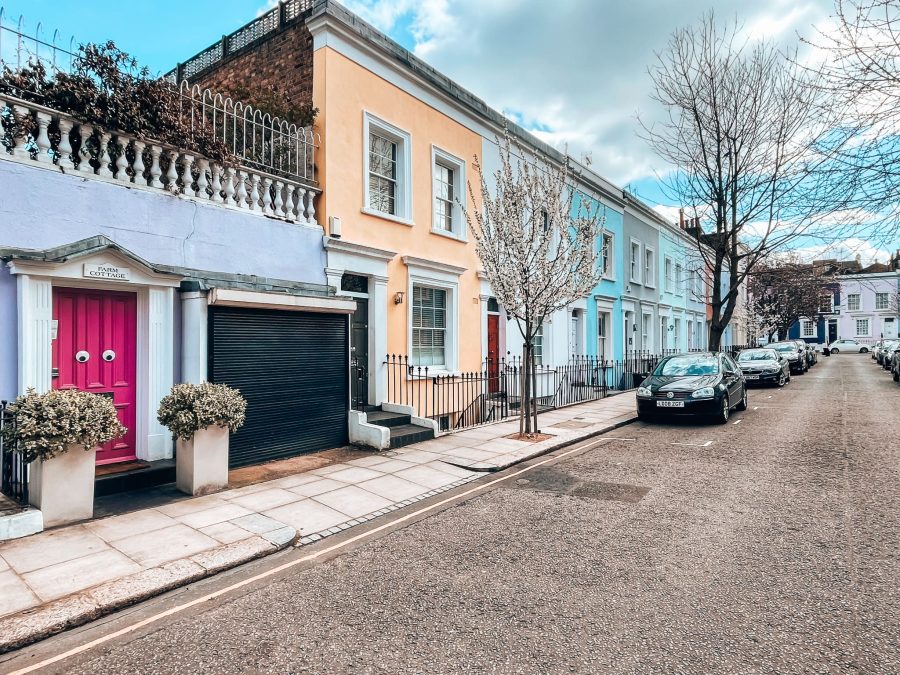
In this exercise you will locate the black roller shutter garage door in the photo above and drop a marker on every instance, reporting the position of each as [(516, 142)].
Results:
[(292, 367)]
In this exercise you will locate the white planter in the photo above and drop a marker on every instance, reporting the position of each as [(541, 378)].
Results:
[(201, 464), (63, 487)]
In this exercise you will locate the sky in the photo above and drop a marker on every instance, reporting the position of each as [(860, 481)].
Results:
[(572, 71)]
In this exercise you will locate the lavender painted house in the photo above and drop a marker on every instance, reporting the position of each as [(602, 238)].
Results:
[(125, 278), (859, 303)]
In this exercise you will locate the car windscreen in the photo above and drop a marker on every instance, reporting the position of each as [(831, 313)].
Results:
[(785, 348), (688, 366), (758, 355)]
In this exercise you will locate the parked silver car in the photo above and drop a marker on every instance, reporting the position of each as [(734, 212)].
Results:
[(839, 346), (885, 352), (792, 352)]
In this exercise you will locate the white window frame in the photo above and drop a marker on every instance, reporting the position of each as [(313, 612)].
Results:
[(868, 321), (882, 305), (403, 196), (436, 275), (608, 273), (537, 346), (858, 298), (635, 264), (664, 332), (669, 273), (604, 337), (808, 328), (676, 332), (679, 285), (458, 167), (649, 267), (646, 331), (830, 309)]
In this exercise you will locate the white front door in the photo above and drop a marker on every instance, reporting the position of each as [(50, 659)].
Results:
[(889, 328)]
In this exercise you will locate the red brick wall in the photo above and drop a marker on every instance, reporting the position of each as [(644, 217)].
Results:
[(283, 59)]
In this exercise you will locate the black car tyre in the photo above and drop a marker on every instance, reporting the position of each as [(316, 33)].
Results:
[(743, 404), (645, 417), (781, 379), (896, 376), (864, 350), (722, 417), (835, 351)]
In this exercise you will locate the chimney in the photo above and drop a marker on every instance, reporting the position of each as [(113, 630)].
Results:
[(681, 218)]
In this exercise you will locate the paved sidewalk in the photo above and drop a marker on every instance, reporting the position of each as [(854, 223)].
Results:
[(70, 575)]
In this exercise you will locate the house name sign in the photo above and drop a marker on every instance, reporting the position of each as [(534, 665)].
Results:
[(109, 272)]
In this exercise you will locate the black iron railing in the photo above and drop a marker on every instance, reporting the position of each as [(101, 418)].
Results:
[(13, 467), (463, 400)]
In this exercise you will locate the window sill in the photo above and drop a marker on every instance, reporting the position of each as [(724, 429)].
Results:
[(432, 373), (387, 216), (448, 235)]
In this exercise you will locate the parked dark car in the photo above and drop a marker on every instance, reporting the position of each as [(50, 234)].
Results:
[(791, 351), (699, 384), (884, 353), (895, 364), (809, 352), (764, 366)]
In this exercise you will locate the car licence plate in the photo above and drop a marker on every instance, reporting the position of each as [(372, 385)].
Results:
[(751, 377), (670, 404)]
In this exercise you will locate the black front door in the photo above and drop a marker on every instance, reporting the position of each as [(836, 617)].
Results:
[(832, 330), (359, 355)]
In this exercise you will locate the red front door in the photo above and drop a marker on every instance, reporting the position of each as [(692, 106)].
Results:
[(94, 351), (493, 352)]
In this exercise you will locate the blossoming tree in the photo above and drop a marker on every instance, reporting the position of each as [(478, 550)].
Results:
[(536, 236)]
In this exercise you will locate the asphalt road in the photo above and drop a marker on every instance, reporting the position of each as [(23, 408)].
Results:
[(767, 545)]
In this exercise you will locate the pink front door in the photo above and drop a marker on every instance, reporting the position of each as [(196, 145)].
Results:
[(94, 351)]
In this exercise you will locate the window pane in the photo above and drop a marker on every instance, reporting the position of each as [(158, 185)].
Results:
[(429, 326)]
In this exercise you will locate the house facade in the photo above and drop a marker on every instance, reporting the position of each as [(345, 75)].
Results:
[(123, 279)]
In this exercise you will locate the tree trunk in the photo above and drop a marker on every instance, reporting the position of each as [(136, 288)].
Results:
[(535, 397), (715, 336), (527, 389)]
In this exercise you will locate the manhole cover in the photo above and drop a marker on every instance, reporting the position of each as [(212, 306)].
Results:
[(559, 482), (618, 492), (572, 424)]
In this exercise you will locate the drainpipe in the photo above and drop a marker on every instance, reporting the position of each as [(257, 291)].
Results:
[(193, 332)]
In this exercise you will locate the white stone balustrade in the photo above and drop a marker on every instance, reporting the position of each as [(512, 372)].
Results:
[(121, 158)]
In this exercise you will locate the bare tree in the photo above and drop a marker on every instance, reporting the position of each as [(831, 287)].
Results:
[(747, 138), (535, 235), (861, 76), (784, 291)]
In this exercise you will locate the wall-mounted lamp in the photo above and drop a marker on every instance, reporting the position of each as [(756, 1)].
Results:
[(671, 326), (398, 298)]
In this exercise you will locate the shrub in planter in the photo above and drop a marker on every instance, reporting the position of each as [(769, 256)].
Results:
[(59, 432), (47, 424), (189, 408), (200, 416)]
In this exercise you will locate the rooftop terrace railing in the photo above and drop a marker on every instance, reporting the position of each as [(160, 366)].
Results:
[(243, 36), (256, 139)]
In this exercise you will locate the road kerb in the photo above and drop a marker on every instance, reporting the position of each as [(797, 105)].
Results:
[(29, 626)]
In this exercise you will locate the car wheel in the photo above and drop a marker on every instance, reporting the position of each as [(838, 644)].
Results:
[(863, 351), (835, 351), (645, 417), (781, 380), (896, 376), (743, 404), (722, 417)]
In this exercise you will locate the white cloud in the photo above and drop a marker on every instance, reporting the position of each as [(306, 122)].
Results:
[(576, 71)]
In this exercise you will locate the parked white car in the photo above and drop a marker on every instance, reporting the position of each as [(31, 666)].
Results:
[(839, 346)]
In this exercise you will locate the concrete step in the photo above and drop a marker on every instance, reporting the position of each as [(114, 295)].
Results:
[(407, 434), (387, 419)]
